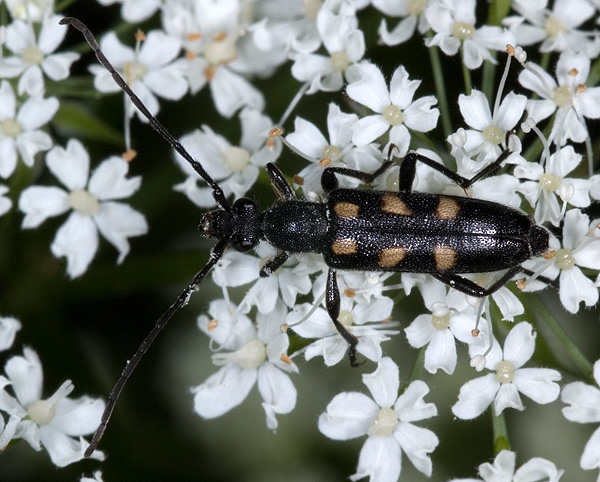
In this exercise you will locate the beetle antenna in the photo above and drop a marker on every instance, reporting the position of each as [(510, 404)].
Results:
[(156, 125), (180, 302)]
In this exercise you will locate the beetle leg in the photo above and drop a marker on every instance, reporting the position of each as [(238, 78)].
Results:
[(280, 185), (274, 264), (332, 301), (408, 170), (471, 288), (329, 180)]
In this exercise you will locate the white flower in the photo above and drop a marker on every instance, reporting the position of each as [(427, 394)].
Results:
[(502, 387), (369, 322), (20, 132), (503, 470), (234, 167), (134, 11), (217, 54), (581, 247), (253, 356), (453, 22), (337, 151), (584, 407), (550, 182), (345, 45), (411, 13), (395, 107), (568, 97), (451, 317), (33, 56), (8, 330), (489, 131), (31, 11), (91, 204), (53, 422), (387, 420), (555, 28), (149, 70), (237, 269)]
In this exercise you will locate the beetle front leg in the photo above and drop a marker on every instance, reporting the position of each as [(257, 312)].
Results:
[(274, 264), (332, 302)]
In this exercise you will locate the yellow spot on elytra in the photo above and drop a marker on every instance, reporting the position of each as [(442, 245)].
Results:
[(445, 257), (347, 210), (390, 257), (447, 208), (343, 246), (395, 205)]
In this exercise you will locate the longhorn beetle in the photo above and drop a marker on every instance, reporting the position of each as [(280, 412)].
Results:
[(354, 229)]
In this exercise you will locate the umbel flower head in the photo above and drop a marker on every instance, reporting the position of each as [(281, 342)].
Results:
[(91, 204)]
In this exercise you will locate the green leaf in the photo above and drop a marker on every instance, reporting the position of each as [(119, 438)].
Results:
[(73, 120)]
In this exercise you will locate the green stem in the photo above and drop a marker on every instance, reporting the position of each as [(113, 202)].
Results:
[(501, 441), (466, 72), (440, 88), (544, 314), (417, 369)]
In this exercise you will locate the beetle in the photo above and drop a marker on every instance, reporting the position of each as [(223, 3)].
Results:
[(354, 229)]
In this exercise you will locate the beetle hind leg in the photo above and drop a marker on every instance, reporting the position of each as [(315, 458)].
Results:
[(332, 301)]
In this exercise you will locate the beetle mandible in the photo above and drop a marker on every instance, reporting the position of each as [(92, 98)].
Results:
[(354, 229)]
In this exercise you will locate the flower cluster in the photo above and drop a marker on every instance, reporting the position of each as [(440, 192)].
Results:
[(527, 94)]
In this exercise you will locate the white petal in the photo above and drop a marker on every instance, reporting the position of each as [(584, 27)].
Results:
[(117, 222), (539, 384), (36, 112), (384, 382), (590, 458), (411, 405), (278, 392), (77, 239), (40, 202), (71, 165), (371, 90), (348, 415), (420, 331), (519, 344), (475, 396), (417, 443), (475, 110), (368, 129), (507, 397), (231, 92), (25, 373), (108, 180), (79, 416), (223, 391), (575, 287), (441, 353), (380, 459), (584, 401)]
